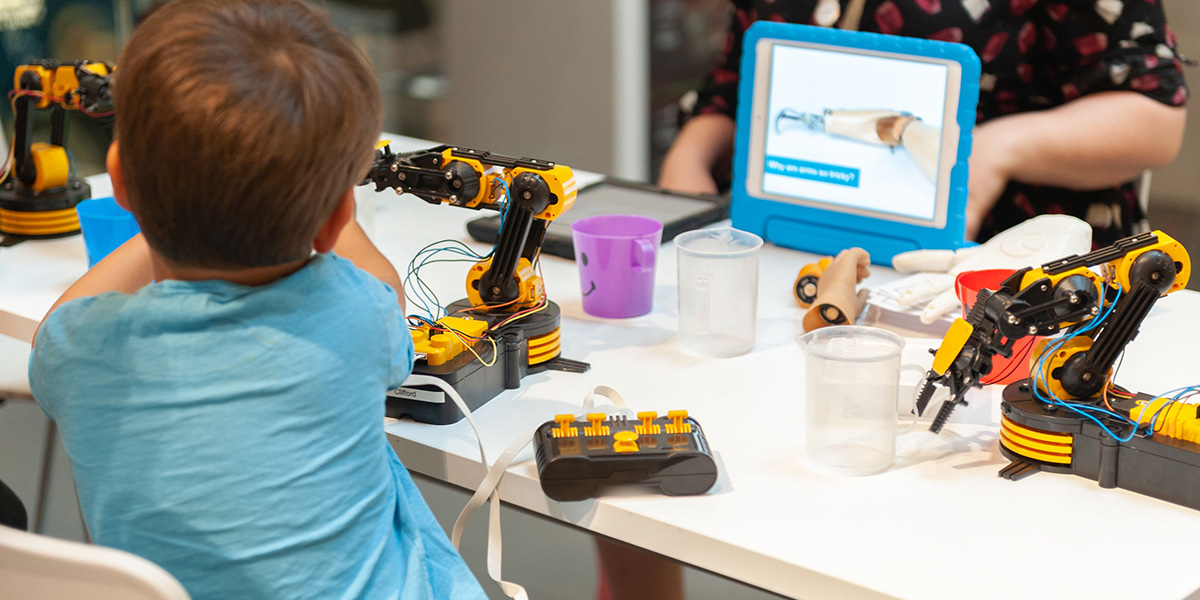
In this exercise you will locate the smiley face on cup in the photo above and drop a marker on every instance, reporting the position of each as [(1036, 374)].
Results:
[(616, 255)]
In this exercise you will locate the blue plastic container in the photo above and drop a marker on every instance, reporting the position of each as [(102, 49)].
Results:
[(105, 226)]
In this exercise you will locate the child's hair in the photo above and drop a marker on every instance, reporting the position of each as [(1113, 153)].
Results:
[(240, 125)]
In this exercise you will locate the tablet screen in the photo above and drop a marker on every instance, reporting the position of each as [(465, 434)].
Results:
[(854, 130)]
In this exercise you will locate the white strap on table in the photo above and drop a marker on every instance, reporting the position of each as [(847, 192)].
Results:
[(489, 488)]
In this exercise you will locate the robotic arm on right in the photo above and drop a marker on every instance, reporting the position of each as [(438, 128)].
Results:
[(1099, 313), (1069, 417)]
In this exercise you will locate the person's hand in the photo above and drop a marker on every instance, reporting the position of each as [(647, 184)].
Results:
[(991, 169)]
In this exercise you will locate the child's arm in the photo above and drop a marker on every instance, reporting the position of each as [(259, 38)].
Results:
[(127, 269), (354, 246)]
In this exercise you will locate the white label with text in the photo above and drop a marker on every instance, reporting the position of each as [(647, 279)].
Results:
[(418, 395)]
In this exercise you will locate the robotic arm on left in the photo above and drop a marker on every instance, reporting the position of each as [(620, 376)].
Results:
[(39, 193)]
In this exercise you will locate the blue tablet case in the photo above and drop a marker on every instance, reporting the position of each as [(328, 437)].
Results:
[(828, 231)]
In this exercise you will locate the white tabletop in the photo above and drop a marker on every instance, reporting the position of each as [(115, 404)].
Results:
[(938, 525)]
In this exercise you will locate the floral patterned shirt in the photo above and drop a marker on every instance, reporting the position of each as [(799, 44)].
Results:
[(1035, 54)]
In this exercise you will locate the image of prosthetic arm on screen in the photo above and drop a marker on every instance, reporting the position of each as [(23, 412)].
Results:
[(872, 126)]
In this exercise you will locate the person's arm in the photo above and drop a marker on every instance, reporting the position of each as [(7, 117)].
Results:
[(704, 142), (1119, 106), (127, 269), (1097, 141), (354, 245)]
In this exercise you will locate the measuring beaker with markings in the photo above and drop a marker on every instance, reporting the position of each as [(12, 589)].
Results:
[(851, 392), (718, 291)]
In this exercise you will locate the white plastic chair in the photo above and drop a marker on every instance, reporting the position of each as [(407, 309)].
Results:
[(14, 369), (14, 385), (37, 567)]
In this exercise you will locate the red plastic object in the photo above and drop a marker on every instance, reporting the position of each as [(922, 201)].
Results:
[(1004, 370)]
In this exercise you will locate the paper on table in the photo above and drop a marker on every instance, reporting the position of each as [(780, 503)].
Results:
[(884, 311)]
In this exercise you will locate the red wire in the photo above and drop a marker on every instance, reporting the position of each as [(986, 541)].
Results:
[(36, 94)]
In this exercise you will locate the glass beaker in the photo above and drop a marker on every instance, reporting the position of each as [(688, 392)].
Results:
[(718, 291), (851, 391)]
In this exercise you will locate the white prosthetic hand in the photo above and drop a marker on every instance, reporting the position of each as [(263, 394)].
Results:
[(1030, 244)]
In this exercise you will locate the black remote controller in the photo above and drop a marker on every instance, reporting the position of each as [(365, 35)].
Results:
[(576, 459)]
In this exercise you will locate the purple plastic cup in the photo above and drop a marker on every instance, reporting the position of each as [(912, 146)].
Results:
[(616, 255)]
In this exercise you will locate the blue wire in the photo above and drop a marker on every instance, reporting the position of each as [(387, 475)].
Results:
[(421, 294), (418, 290), (423, 320), (1077, 407), (429, 299), (1179, 393)]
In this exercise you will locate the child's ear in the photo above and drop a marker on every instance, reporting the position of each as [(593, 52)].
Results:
[(112, 162), (327, 235)]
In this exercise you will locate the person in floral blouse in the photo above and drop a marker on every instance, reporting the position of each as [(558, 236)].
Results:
[(1077, 98)]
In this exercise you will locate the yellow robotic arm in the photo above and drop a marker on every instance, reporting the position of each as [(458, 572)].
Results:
[(38, 196), (538, 192), (1064, 295), (1069, 417), (506, 327)]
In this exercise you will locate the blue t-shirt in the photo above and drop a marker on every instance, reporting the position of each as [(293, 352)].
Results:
[(234, 435)]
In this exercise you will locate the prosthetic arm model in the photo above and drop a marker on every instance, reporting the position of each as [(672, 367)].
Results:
[(506, 327), (828, 289), (873, 126), (1069, 417), (39, 194)]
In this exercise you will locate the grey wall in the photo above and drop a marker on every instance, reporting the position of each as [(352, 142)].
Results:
[(533, 78)]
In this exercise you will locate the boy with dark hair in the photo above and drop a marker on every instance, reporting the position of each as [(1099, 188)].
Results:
[(218, 385)]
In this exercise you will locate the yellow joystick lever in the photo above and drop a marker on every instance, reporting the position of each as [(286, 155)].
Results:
[(647, 427), (626, 441), (596, 428), (564, 429), (678, 422)]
